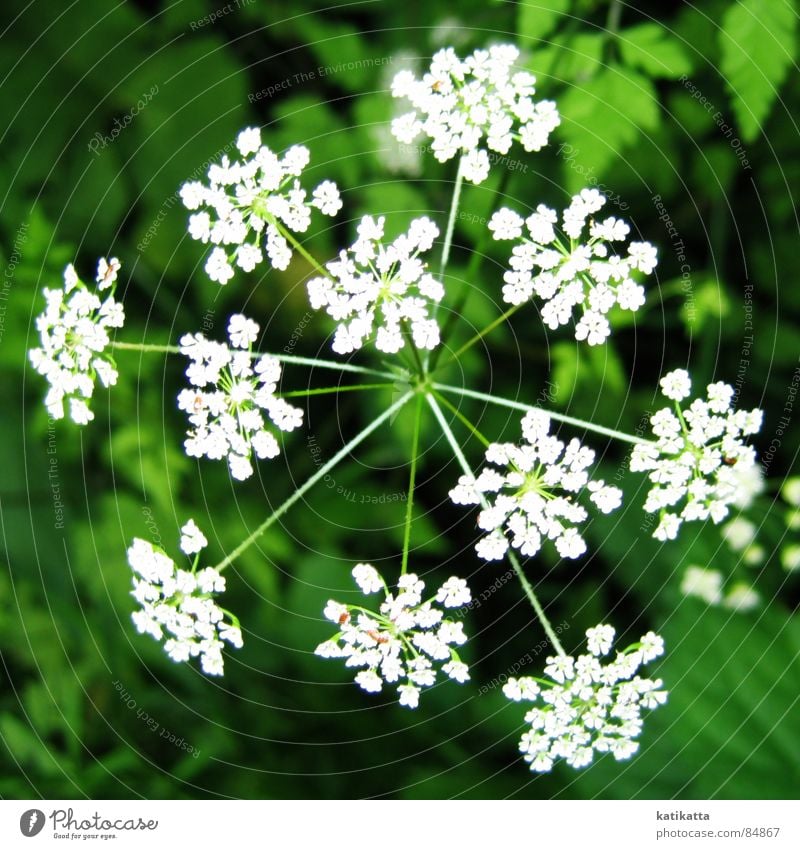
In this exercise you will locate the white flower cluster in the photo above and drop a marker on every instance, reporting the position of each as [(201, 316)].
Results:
[(252, 199), (588, 706), (179, 604), (706, 584), (74, 334), (384, 284), (581, 271), (534, 493), (405, 640), (228, 396), (699, 465), (460, 103), (740, 534)]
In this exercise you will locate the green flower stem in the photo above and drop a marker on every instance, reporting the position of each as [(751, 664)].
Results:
[(477, 257), (448, 234), (411, 483), (463, 419), (329, 364), (478, 336), (537, 605), (287, 234), (330, 390), (526, 585), (317, 476), (283, 358), (451, 219), (559, 417), (147, 349)]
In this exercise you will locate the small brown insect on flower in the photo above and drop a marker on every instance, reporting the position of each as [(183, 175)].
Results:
[(111, 271), (379, 638), (344, 618)]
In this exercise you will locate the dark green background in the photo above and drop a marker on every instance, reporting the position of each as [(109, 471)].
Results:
[(283, 723)]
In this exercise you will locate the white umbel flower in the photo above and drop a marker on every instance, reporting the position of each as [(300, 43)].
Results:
[(705, 584), (473, 106), (248, 202), (74, 336), (699, 464), (193, 540), (742, 598), (233, 403), (377, 291), (578, 269), (528, 493), (177, 605), (588, 706), (405, 642)]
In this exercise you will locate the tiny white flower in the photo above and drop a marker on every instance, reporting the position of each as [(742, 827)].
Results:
[(790, 558), (790, 490), (242, 331), (249, 140), (409, 695), (369, 680), (192, 538), (454, 592), (457, 671), (506, 224), (367, 578), (600, 639), (705, 584), (739, 533), (741, 597), (676, 385)]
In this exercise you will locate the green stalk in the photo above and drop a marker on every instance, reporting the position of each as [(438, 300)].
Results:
[(526, 585), (463, 419), (451, 219), (287, 234), (317, 476), (560, 417), (147, 349), (330, 390), (448, 235), (283, 358), (478, 336), (411, 483)]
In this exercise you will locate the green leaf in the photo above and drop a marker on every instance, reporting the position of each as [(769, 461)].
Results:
[(757, 49), (651, 48), (538, 18), (575, 58), (345, 57), (603, 117)]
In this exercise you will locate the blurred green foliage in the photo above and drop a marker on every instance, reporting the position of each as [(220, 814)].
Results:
[(695, 105)]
